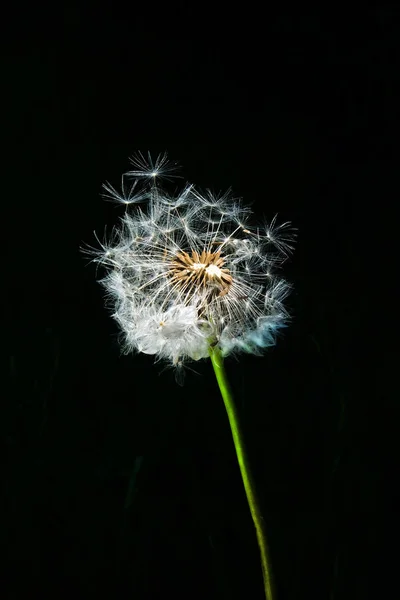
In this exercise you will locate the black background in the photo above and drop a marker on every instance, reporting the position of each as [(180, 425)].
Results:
[(118, 482)]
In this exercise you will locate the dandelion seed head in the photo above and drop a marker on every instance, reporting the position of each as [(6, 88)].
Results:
[(190, 270)]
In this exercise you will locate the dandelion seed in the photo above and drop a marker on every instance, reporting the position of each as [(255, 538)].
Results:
[(149, 169), (127, 194)]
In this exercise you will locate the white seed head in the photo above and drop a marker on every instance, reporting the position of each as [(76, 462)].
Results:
[(188, 271)]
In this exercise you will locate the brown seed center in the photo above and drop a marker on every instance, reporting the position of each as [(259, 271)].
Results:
[(194, 272)]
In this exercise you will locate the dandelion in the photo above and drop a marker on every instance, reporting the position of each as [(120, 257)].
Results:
[(189, 272), (189, 276)]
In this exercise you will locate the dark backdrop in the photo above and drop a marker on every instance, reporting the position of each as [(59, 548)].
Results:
[(116, 480)]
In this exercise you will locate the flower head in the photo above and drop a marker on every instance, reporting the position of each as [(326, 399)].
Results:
[(188, 271)]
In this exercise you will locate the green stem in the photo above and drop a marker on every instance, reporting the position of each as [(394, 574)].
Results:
[(218, 365)]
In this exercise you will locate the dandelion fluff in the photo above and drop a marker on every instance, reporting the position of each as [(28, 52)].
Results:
[(190, 271)]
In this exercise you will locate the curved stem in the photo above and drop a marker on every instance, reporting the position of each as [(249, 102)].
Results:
[(218, 365)]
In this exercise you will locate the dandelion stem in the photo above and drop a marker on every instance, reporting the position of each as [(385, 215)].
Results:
[(218, 365)]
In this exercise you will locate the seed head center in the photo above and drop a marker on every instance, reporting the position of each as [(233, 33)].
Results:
[(201, 272), (213, 271)]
